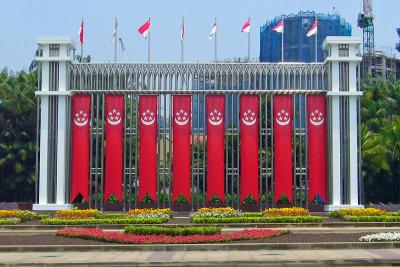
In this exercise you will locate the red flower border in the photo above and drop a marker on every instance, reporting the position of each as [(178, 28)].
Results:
[(116, 237)]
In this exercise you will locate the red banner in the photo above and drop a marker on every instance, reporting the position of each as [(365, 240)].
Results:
[(215, 112), (181, 146), (80, 146), (147, 147), (249, 147), (283, 175), (114, 116), (316, 107)]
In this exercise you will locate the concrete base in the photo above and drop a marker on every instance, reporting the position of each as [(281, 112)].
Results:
[(338, 207), (51, 207)]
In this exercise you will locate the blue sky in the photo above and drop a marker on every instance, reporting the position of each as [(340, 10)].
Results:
[(24, 20)]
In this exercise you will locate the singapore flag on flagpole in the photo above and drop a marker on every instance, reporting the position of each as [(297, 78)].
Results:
[(313, 29), (278, 27), (246, 26), (145, 28), (213, 31)]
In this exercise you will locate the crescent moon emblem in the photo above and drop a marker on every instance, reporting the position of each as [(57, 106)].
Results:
[(182, 123), (114, 122), (249, 123), (80, 124), (316, 123), (148, 123), (215, 123), (282, 123)]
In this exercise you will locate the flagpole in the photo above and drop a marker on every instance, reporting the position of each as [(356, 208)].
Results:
[(82, 29), (248, 44), (115, 40), (148, 46), (316, 41), (215, 41), (182, 40), (283, 32)]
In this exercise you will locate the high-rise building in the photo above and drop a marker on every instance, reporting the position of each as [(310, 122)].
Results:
[(297, 46)]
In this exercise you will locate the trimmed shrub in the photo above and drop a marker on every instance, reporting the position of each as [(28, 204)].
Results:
[(174, 231), (282, 219), (252, 214), (378, 218), (10, 221)]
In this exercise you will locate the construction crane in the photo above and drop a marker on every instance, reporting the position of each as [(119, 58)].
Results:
[(366, 23), (398, 44)]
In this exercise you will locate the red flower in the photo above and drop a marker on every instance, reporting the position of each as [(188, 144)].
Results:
[(115, 237)]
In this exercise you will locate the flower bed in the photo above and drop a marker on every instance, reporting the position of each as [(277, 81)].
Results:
[(90, 221), (24, 215), (150, 211), (287, 212), (115, 237), (174, 231), (76, 213), (214, 213), (377, 218), (282, 219), (381, 237), (356, 212)]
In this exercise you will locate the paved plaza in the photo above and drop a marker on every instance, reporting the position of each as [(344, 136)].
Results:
[(208, 258)]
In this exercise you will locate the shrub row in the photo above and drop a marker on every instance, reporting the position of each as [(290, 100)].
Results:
[(10, 221), (378, 218), (283, 219), (55, 221), (175, 231), (252, 214)]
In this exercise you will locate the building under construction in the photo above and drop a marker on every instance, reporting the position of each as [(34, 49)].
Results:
[(297, 46)]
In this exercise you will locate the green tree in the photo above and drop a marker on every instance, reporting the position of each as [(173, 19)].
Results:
[(17, 135)]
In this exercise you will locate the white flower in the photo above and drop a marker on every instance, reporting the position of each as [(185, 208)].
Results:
[(381, 237)]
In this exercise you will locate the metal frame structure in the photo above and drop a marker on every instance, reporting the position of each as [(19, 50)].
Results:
[(198, 80)]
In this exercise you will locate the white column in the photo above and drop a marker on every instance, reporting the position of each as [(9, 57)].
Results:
[(353, 130), (334, 58), (61, 54), (62, 135)]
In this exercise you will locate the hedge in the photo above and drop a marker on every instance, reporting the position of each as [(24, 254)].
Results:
[(175, 231), (252, 214), (104, 221), (285, 219), (10, 221), (379, 218)]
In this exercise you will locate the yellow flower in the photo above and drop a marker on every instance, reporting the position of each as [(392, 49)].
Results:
[(77, 213), (224, 209), (355, 212), (150, 211), (295, 211)]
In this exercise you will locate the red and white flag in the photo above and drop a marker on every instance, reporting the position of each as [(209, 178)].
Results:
[(213, 31), (182, 32), (313, 29), (145, 29), (80, 33), (246, 26), (279, 27)]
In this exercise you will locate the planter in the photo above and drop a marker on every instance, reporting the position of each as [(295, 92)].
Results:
[(181, 207), (316, 207), (253, 207)]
